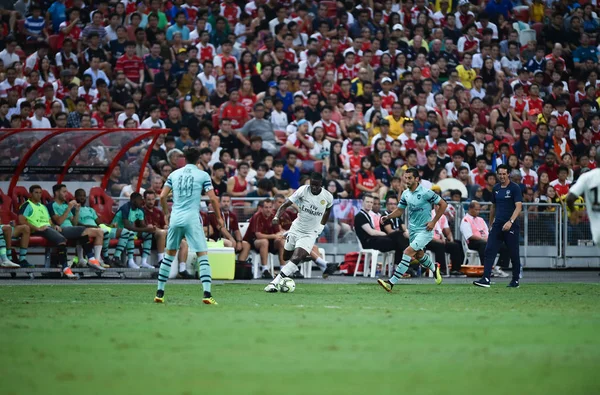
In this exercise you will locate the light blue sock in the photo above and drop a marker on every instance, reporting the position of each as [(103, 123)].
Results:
[(130, 246), (205, 276), (122, 243), (3, 256), (164, 270), (146, 244), (401, 269), (22, 254), (105, 244), (426, 262)]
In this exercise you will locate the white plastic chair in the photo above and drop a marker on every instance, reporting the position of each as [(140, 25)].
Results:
[(370, 260), (473, 255), (243, 228), (387, 266), (257, 263)]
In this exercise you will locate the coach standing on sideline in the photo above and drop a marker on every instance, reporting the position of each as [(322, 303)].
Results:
[(507, 204)]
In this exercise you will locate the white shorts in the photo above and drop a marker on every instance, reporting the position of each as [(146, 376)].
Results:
[(295, 240)]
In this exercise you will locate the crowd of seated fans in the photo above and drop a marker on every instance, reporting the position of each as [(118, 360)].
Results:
[(271, 90)]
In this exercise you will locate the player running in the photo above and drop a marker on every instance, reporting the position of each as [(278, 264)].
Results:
[(419, 202), (314, 204), (187, 184), (588, 186)]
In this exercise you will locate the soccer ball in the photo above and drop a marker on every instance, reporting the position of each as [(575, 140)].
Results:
[(287, 285)]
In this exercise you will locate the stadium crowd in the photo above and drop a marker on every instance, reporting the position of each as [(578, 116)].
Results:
[(271, 90)]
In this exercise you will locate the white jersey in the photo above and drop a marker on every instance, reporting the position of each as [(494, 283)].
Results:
[(588, 186), (311, 209)]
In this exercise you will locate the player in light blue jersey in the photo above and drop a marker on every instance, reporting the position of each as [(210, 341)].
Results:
[(187, 184), (418, 202)]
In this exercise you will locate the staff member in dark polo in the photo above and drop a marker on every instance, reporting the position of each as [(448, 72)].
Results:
[(507, 204)]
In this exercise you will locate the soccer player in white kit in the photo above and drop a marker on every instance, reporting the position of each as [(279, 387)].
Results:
[(314, 206), (588, 186)]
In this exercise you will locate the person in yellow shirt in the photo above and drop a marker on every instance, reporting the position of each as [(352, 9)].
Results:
[(439, 4), (537, 11), (466, 73), (396, 120)]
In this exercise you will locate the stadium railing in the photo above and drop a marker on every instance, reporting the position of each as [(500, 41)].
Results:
[(549, 239)]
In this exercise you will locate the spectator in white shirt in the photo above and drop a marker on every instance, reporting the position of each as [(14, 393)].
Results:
[(154, 120), (8, 55), (278, 116), (38, 121)]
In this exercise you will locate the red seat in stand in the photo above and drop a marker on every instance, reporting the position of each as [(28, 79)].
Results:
[(47, 197), (102, 203), (6, 214), (19, 196)]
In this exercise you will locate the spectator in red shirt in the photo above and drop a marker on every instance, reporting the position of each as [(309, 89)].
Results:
[(233, 110), (478, 174), (230, 232), (455, 143), (132, 66), (550, 167), (264, 237), (530, 177), (365, 181), (561, 184)]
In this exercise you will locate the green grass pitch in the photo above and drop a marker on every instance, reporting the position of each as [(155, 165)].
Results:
[(321, 340)]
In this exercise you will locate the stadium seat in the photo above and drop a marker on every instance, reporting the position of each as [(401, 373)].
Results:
[(46, 197), (527, 35), (538, 27), (521, 13), (281, 135), (472, 256), (53, 42), (243, 228), (387, 266), (331, 8), (102, 203), (6, 214), (149, 89), (370, 260), (318, 166), (19, 196), (69, 196), (573, 86)]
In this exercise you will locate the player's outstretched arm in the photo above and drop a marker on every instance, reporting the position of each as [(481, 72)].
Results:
[(439, 211), (325, 218), (281, 209), (394, 214), (164, 197)]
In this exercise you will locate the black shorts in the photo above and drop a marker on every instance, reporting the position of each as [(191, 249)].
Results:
[(73, 232), (272, 248), (53, 236)]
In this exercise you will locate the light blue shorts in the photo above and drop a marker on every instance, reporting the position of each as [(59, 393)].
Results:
[(193, 233), (418, 240)]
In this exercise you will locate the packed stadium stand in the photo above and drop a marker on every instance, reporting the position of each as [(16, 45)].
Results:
[(105, 96)]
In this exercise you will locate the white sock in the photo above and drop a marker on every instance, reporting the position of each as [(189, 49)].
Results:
[(144, 260), (131, 263), (263, 268), (289, 269), (322, 263), (182, 267), (79, 253), (161, 256), (98, 252)]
